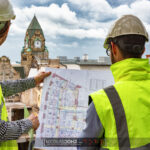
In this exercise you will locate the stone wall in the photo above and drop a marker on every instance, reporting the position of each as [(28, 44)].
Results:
[(7, 72)]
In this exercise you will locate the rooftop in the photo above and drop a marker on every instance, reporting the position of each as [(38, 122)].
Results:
[(20, 69), (101, 61), (34, 25)]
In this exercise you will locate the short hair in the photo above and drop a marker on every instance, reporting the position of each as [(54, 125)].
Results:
[(130, 46)]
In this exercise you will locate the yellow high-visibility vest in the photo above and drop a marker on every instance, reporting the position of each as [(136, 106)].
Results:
[(128, 100), (10, 144)]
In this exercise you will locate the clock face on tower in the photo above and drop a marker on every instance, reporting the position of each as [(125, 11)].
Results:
[(37, 44)]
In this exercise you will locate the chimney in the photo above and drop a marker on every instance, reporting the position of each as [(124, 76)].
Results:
[(148, 56), (85, 57)]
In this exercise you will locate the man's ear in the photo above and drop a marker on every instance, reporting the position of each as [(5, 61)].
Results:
[(113, 48)]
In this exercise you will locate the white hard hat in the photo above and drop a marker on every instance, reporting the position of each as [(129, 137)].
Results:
[(6, 11), (126, 25)]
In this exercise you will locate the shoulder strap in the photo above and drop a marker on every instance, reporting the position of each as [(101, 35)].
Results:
[(120, 118)]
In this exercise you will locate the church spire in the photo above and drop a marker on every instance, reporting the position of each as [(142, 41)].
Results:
[(34, 25), (34, 45)]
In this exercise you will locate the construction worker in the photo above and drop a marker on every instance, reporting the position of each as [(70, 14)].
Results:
[(120, 114), (10, 131)]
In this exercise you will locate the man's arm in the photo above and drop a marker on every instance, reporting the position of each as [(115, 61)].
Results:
[(12, 130), (12, 87), (94, 128)]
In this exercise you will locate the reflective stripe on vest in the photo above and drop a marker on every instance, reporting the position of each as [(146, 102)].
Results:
[(11, 144), (120, 119)]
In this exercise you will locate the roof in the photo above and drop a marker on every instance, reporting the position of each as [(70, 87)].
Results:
[(102, 61), (21, 71), (34, 25)]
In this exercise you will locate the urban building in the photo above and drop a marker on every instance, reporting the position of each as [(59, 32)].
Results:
[(10, 72), (34, 52), (84, 63)]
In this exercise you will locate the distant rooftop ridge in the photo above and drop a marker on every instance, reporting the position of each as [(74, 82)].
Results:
[(102, 60)]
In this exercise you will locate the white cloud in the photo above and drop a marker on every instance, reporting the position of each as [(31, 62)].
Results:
[(122, 10), (51, 44), (63, 21), (70, 45), (97, 9), (82, 33), (142, 9), (139, 8), (57, 20), (101, 10), (92, 5), (62, 13), (41, 1)]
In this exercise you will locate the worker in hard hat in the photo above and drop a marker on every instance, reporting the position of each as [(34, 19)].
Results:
[(10, 131), (120, 114)]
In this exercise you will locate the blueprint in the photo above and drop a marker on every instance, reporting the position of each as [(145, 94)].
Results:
[(64, 102)]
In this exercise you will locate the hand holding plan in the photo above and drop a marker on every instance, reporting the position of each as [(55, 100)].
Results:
[(35, 121), (41, 76)]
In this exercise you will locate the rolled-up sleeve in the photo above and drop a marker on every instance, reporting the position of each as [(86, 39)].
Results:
[(10, 88), (14, 129)]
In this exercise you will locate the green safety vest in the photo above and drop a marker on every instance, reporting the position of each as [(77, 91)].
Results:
[(124, 109), (11, 144)]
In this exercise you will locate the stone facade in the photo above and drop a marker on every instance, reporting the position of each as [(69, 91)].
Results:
[(32, 97), (7, 72), (102, 63), (34, 47)]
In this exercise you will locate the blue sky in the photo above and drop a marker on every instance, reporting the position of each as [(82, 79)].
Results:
[(71, 27)]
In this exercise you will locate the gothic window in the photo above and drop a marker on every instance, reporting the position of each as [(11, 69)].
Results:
[(37, 44), (26, 43)]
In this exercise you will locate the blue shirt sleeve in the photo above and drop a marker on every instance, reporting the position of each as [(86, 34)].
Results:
[(94, 128)]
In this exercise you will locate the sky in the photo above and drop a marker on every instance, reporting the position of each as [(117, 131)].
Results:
[(72, 28)]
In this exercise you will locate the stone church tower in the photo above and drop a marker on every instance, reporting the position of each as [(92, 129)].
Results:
[(34, 51)]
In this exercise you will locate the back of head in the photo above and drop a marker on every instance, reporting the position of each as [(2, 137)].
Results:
[(130, 46), (129, 34)]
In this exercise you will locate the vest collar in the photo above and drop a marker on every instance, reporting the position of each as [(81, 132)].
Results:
[(131, 69)]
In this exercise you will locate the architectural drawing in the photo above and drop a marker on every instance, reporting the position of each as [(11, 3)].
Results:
[(64, 103), (61, 116)]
